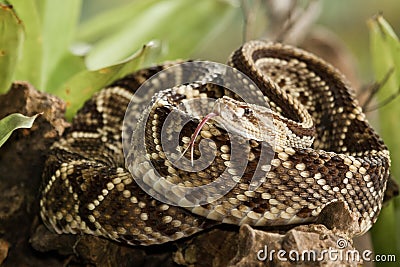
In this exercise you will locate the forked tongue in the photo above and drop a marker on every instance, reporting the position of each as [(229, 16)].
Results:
[(195, 134)]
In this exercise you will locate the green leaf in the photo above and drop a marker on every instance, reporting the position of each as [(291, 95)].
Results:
[(60, 18), (11, 40), (385, 52), (13, 122), (181, 25), (50, 28), (30, 66), (82, 85), (68, 66), (95, 28)]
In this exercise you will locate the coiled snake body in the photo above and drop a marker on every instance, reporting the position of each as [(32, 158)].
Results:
[(325, 152)]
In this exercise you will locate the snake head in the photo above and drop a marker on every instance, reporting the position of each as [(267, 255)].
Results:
[(239, 118), (248, 120), (262, 124)]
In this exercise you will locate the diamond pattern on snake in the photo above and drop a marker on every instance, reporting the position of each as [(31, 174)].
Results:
[(324, 151)]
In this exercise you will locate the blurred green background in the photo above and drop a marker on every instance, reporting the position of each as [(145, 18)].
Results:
[(346, 18)]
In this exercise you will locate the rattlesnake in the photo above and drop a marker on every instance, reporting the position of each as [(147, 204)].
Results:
[(325, 152)]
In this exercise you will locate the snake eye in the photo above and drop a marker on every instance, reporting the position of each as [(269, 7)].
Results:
[(247, 111)]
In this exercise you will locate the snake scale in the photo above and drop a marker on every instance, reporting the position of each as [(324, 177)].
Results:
[(337, 156)]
